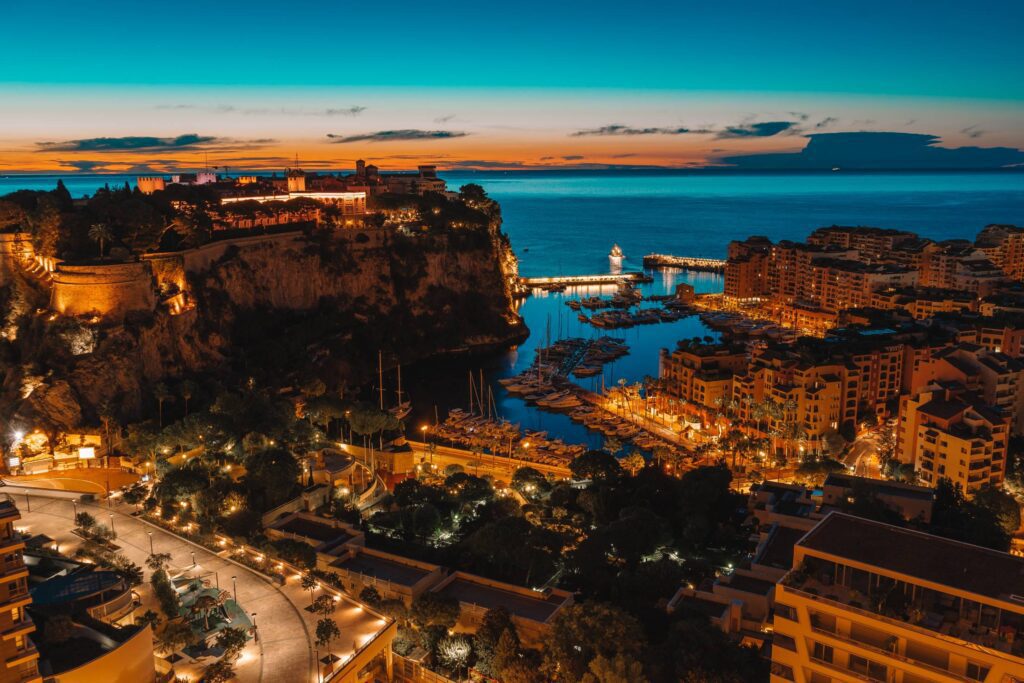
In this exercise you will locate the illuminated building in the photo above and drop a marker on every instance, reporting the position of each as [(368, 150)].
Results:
[(746, 268), (870, 243), (18, 654), (870, 601), (947, 436), (701, 373)]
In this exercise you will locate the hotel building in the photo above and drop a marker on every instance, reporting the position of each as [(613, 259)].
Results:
[(867, 601)]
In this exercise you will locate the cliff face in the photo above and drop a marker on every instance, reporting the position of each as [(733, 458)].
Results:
[(279, 309)]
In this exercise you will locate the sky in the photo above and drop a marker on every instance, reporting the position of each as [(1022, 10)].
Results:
[(119, 86)]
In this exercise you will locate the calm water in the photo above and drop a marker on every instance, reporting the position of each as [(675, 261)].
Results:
[(565, 223)]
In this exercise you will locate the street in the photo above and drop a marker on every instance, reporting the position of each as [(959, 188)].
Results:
[(285, 646)]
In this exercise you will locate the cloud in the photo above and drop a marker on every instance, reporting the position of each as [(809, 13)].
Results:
[(567, 157), (879, 151), (128, 144), (619, 129), (972, 131), (799, 115), (826, 122), (354, 110), (444, 119), (395, 135), (765, 129), (490, 164)]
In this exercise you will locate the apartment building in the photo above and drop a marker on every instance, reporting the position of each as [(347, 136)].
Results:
[(19, 658), (872, 243), (1004, 246), (994, 377), (946, 435), (701, 374), (746, 269), (790, 271), (867, 601)]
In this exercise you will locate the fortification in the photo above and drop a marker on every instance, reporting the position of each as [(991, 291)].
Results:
[(109, 290), (15, 249)]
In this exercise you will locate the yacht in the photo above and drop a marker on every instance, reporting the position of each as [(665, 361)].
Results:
[(615, 256)]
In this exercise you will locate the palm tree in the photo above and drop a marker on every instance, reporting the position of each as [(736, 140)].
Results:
[(187, 389), (161, 393), (634, 462), (101, 233)]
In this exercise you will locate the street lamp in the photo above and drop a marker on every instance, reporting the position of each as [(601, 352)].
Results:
[(234, 588), (255, 630), (75, 503), (150, 542), (112, 523), (193, 558)]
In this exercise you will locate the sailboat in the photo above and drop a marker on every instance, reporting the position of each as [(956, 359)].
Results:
[(402, 410)]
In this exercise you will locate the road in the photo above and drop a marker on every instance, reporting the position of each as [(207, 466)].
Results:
[(863, 456), (499, 467), (284, 650)]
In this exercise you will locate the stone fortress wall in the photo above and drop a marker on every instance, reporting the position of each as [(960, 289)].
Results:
[(110, 291)]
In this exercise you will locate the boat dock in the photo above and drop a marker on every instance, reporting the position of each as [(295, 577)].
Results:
[(570, 280), (709, 265)]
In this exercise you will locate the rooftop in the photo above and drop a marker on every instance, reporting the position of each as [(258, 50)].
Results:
[(923, 556), (490, 595), (891, 488), (381, 568)]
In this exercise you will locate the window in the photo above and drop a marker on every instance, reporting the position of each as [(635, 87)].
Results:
[(822, 652), (782, 671), (784, 641), (786, 611), (976, 672), (865, 667)]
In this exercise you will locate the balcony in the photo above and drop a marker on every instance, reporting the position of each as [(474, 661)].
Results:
[(934, 619)]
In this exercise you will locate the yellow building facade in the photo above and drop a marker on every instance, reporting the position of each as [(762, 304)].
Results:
[(867, 601)]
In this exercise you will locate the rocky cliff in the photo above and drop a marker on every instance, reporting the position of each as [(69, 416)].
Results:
[(279, 309)]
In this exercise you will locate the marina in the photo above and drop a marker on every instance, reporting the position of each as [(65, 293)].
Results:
[(658, 261)]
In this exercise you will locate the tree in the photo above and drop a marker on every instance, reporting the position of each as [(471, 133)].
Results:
[(187, 389), (271, 477), (150, 618), (219, 672), (296, 552), (232, 640), (177, 634), (158, 561), (85, 522), (325, 605), (620, 669), (100, 233), (634, 462), (58, 629), (953, 516), (596, 465), (431, 609), (453, 652), (370, 596), (326, 631), (161, 393), (999, 504), (309, 583), (582, 632)]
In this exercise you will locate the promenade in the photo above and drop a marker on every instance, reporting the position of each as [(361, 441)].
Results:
[(284, 651)]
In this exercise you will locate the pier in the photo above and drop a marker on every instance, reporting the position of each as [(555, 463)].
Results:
[(606, 279), (710, 265)]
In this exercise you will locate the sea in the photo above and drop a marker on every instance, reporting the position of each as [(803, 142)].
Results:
[(565, 223)]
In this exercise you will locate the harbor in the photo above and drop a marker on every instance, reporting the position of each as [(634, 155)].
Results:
[(552, 317)]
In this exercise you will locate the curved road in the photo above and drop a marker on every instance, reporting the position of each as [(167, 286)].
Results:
[(284, 638)]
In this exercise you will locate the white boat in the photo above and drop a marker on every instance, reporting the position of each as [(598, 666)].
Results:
[(615, 257)]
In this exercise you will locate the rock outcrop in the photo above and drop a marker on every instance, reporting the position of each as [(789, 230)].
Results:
[(276, 308)]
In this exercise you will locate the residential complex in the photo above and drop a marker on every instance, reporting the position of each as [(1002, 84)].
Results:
[(870, 601), (18, 653)]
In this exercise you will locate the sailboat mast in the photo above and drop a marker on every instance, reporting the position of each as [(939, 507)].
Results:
[(380, 377)]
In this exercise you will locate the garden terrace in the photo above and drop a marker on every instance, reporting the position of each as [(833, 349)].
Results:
[(524, 603), (322, 534)]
